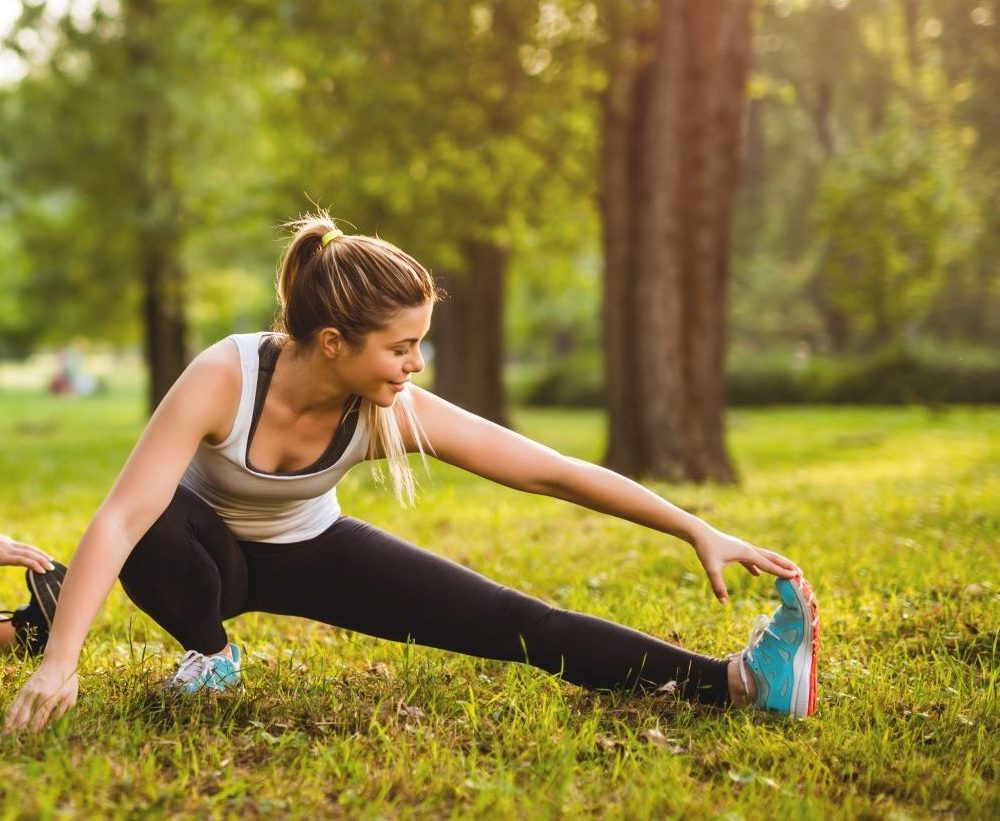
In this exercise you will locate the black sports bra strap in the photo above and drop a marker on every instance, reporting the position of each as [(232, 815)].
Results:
[(268, 351)]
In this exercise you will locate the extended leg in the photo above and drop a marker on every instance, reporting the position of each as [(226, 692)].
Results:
[(361, 578), (188, 573)]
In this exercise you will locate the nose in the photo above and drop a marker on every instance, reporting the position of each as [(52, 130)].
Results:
[(416, 363)]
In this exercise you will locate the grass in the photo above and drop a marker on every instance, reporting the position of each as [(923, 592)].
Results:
[(894, 514)]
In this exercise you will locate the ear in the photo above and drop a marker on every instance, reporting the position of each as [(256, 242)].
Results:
[(330, 342)]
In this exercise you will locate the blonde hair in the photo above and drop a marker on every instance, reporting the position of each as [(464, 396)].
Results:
[(355, 283)]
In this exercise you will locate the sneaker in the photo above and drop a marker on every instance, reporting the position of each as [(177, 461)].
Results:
[(781, 655), (33, 621), (198, 672)]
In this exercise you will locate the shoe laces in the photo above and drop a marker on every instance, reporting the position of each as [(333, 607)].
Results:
[(192, 667), (761, 627)]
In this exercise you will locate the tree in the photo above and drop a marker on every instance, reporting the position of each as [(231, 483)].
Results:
[(444, 127), (672, 117), (122, 142), (892, 218)]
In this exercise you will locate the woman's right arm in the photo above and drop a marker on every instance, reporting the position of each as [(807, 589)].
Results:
[(201, 404)]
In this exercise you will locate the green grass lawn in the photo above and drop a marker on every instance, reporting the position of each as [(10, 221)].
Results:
[(893, 513)]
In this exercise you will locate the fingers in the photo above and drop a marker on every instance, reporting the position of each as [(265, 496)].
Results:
[(751, 568), (780, 560), (43, 710), (27, 556), (776, 564), (718, 585), (64, 706), (20, 711), (40, 559)]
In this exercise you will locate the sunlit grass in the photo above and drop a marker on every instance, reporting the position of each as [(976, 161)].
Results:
[(894, 514)]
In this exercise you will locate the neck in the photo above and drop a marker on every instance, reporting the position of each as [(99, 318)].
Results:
[(303, 380)]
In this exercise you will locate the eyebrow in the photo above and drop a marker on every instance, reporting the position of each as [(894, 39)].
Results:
[(411, 339)]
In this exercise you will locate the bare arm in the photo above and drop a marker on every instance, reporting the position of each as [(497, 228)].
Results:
[(494, 452), (201, 404)]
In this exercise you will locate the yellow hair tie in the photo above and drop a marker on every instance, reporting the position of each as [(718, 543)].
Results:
[(330, 236)]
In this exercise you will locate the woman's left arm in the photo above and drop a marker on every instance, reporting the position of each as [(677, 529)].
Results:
[(475, 444)]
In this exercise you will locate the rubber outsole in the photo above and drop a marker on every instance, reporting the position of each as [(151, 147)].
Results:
[(804, 695)]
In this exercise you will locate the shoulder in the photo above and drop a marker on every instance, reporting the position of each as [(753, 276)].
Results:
[(207, 394), (219, 363)]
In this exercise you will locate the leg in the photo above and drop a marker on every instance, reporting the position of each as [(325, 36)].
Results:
[(361, 578), (188, 574)]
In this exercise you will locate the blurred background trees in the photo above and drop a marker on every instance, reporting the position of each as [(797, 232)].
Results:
[(149, 150)]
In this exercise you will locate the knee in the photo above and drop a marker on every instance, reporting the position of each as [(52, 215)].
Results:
[(161, 547)]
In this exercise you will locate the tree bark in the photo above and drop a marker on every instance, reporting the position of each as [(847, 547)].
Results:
[(672, 134), (164, 318), (469, 333), (156, 237)]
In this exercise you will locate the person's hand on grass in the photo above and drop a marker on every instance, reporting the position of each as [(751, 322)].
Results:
[(716, 549), (46, 696), (16, 553)]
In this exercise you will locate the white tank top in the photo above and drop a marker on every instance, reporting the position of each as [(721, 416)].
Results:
[(267, 507)]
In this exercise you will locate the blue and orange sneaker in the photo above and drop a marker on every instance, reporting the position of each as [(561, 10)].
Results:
[(198, 672), (781, 656)]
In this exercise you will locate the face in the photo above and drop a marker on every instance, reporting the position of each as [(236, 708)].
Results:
[(388, 358)]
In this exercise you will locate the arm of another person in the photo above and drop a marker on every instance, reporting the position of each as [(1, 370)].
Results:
[(202, 403), (25, 555), (492, 451)]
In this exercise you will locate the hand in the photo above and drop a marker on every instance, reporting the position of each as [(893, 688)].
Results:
[(47, 695), (25, 555), (716, 549)]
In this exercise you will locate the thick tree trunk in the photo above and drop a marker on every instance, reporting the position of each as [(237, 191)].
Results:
[(165, 326), (469, 333), (155, 219), (671, 152)]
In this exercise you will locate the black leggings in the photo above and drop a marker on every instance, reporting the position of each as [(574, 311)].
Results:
[(189, 573)]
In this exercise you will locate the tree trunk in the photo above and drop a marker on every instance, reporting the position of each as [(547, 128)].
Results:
[(155, 213), (469, 333), (165, 326), (672, 133)]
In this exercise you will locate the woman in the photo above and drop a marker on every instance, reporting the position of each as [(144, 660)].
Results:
[(27, 628), (226, 506)]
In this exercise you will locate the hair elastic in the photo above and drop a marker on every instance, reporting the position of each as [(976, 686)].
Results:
[(330, 236)]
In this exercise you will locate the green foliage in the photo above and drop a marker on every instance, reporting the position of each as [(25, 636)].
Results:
[(927, 374), (438, 122), (891, 513), (892, 376), (140, 129), (575, 381), (892, 217), (848, 99)]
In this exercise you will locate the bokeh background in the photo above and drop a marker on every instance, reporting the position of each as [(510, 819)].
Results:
[(150, 151)]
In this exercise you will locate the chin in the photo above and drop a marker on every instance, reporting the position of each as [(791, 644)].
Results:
[(384, 401)]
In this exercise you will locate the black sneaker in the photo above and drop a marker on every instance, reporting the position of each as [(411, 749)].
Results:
[(33, 621)]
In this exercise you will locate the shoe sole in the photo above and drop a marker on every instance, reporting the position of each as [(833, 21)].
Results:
[(804, 692), (45, 588)]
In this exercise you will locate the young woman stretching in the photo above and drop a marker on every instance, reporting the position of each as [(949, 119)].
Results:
[(227, 505)]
